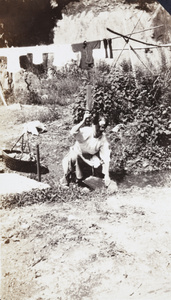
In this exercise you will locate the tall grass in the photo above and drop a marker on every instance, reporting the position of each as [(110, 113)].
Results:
[(53, 87)]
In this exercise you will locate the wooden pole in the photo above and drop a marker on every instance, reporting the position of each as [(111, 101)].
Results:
[(131, 59), (135, 40), (89, 102), (38, 164), (128, 34), (140, 59), (132, 64), (2, 96)]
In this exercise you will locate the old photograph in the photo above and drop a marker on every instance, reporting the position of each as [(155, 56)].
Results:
[(85, 149)]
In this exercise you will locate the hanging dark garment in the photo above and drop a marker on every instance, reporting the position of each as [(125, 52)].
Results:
[(86, 49), (26, 62), (105, 46), (110, 48), (108, 45)]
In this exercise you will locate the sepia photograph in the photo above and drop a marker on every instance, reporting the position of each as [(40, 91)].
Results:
[(85, 149)]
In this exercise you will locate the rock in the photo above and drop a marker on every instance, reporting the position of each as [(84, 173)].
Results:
[(85, 190), (94, 182), (7, 241), (71, 217), (112, 187)]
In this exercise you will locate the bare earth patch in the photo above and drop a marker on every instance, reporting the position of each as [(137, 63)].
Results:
[(112, 247)]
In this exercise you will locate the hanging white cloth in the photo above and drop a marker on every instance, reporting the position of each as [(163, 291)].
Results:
[(13, 64), (77, 58), (63, 54), (37, 56), (98, 55)]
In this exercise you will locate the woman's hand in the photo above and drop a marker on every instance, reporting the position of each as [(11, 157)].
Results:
[(86, 115), (107, 181)]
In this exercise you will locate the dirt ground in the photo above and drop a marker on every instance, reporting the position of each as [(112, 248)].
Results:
[(109, 247)]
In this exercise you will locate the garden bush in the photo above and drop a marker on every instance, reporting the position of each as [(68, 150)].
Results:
[(54, 87), (143, 106)]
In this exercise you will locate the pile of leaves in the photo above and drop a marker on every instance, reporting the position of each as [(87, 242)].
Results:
[(55, 194)]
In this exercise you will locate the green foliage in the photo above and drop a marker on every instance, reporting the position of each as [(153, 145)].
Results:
[(49, 113), (55, 194), (52, 87), (143, 106)]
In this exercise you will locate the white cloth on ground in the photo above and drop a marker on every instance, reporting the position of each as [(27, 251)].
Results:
[(33, 127)]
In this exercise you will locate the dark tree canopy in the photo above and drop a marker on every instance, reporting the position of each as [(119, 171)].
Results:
[(29, 22)]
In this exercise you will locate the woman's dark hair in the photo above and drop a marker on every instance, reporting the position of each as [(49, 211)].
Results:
[(96, 119)]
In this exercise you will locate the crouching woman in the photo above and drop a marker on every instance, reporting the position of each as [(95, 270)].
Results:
[(91, 147)]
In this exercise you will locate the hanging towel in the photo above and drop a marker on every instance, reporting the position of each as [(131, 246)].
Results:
[(13, 64), (108, 46), (86, 50)]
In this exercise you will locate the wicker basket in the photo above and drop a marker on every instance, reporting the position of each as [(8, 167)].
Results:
[(18, 164)]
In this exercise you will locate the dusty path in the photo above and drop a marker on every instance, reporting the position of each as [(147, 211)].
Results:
[(109, 247), (118, 248)]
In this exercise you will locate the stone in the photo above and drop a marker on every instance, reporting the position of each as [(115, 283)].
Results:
[(94, 182), (112, 188)]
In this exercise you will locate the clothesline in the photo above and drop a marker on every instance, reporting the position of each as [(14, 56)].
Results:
[(136, 32), (130, 38), (29, 49), (52, 47), (142, 48), (67, 53)]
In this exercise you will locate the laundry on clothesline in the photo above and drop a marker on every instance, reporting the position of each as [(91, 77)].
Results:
[(81, 54), (26, 61), (86, 49), (108, 48), (13, 64), (86, 54), (98, 55), (63, 54), (37, 56)]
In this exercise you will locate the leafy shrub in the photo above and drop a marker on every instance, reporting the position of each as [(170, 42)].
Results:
[(52, 87), (143, 106)]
